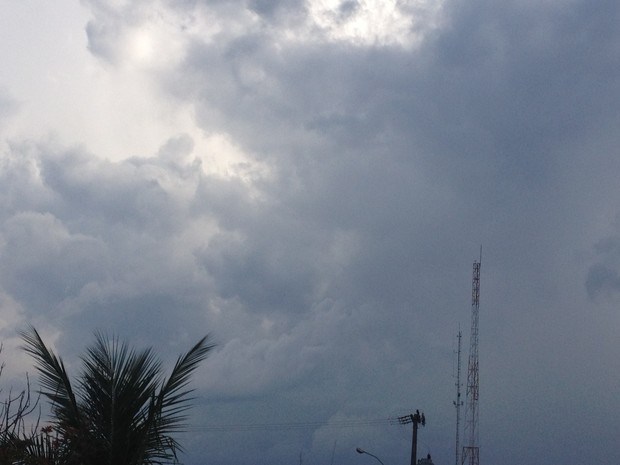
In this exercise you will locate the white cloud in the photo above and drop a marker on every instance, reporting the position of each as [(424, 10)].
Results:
[(375, 22)]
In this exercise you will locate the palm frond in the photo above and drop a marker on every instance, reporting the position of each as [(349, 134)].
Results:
[(122, 409), (55, 382), (174, 395), (117, 385), (171, 402)]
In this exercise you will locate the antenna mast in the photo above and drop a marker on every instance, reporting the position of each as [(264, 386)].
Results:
[(471, 450), (458, 402)]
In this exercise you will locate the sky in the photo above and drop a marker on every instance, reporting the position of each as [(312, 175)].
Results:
[(309, 182)]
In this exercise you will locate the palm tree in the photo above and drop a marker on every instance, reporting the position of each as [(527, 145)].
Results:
[(121, 410)]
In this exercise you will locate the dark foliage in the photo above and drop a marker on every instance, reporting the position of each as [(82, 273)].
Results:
[(121, 410)]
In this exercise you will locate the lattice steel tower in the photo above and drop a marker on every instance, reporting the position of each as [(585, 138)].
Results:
[(471, 451), (458, 402)]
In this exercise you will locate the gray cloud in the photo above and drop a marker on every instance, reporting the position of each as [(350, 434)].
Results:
[(8, 105), (335, 282), (602, 280)]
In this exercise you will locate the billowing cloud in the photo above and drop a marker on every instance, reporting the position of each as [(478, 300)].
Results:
[(310, 182)]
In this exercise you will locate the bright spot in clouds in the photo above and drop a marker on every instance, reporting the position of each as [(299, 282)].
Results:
[(141, 46), (368, 22)]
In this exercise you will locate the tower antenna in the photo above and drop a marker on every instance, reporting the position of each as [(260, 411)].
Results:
[(458, 402), (471, 452)]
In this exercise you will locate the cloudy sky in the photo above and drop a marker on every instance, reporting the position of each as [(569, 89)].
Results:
[(310, 181)]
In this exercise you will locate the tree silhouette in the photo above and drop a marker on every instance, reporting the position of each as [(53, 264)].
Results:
[(15, 438), (121, 409)]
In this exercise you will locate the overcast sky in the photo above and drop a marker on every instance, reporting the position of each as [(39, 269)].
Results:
[(310, 181)]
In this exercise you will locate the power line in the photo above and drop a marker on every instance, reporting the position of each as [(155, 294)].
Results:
[(338, 424)]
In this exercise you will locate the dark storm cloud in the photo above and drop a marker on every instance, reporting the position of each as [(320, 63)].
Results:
[(529, 77), (128, 194), (488, 86), (335, 277), (396, 143), (414, 154), (99, 238), (109, 243), (40, 253)]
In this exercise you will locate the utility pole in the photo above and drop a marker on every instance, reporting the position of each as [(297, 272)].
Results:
[(471, 452), (416, 419)]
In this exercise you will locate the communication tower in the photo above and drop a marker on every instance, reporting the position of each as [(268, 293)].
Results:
[(458, 402), (471, 451)]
